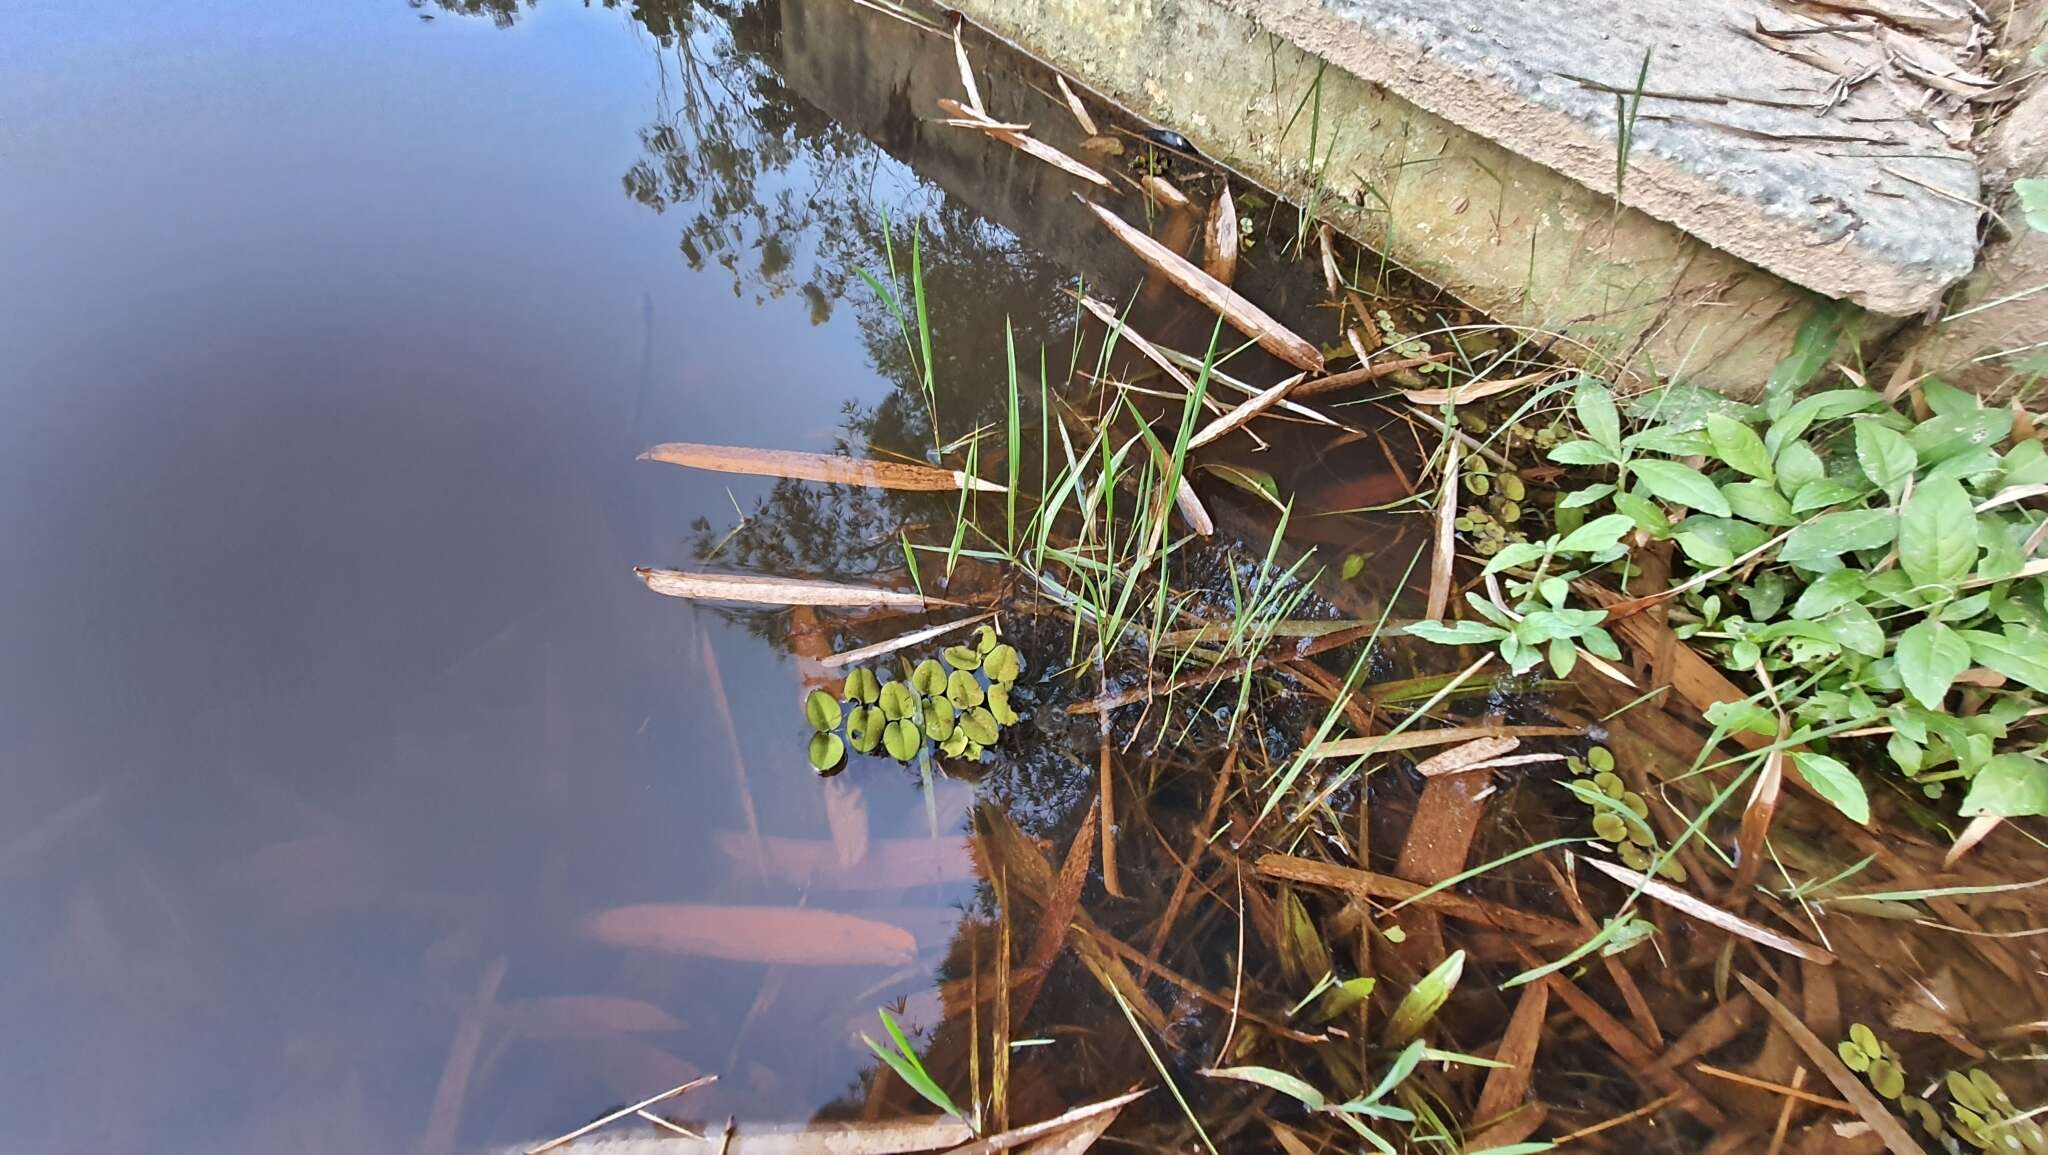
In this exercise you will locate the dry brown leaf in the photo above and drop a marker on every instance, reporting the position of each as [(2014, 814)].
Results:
[(1475, 390), (984, 125), (585, 1016), (1246, 317), (769, 591), (1506, 1087), (1421, 739), (890, 863), (795, 936), (1075, 106), (1757, 814), (831, 467), (1637, 1059), (1470, 756), (1326, 242), (1153, 353), (1029, 145), (1714, 1030), (1244, 412), (1436, 846), (967, 74), (1220, 239), (934, 1133), (1166, 192), (1290, 1141), (1445, 550), (1367, 373), (1977, 831), (900, 642), (1021, 1135), (1060, 905), (1365, 884), (1707, 912), (1192, 509), (1868, 1105), (1519, 1124)]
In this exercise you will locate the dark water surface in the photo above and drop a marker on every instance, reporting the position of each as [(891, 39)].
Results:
[(330, 332)]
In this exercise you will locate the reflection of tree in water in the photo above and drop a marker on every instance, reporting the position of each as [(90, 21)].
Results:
[(786, 199)]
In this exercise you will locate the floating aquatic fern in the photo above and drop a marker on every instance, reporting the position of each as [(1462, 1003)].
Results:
[(957, 704)]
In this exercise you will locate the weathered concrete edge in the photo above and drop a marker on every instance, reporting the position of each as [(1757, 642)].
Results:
[(1514, 238), (1669, 191)]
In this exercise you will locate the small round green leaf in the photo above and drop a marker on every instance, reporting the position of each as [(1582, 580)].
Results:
[(985, 640), (1989, 1088), (1853, 1057), (938, 718), (826, 752), (902, 739), (1966, 1093), (1002, 665), (999, 704), (955, 744), (822, 711), (964, 690), (1600, 758), (864, 728), (929, 678), (980, 726), (963, 657), (862, 686), (1608, 825), (897, 701), (1887, 1079)]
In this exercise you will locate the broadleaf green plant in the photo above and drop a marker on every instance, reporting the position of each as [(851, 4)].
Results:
[(1825, 531)]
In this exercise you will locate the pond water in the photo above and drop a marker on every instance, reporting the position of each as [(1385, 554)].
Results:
[(331, 334)]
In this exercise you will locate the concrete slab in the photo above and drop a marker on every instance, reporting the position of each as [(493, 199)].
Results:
[(1452, 136), (1860, 192)]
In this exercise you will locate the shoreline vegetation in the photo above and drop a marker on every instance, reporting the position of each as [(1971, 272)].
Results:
[(1631, 767)]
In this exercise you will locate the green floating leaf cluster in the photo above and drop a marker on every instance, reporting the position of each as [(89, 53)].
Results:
[(1493, 508), (958, 703), (1981, 1116), (1620, 815)]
